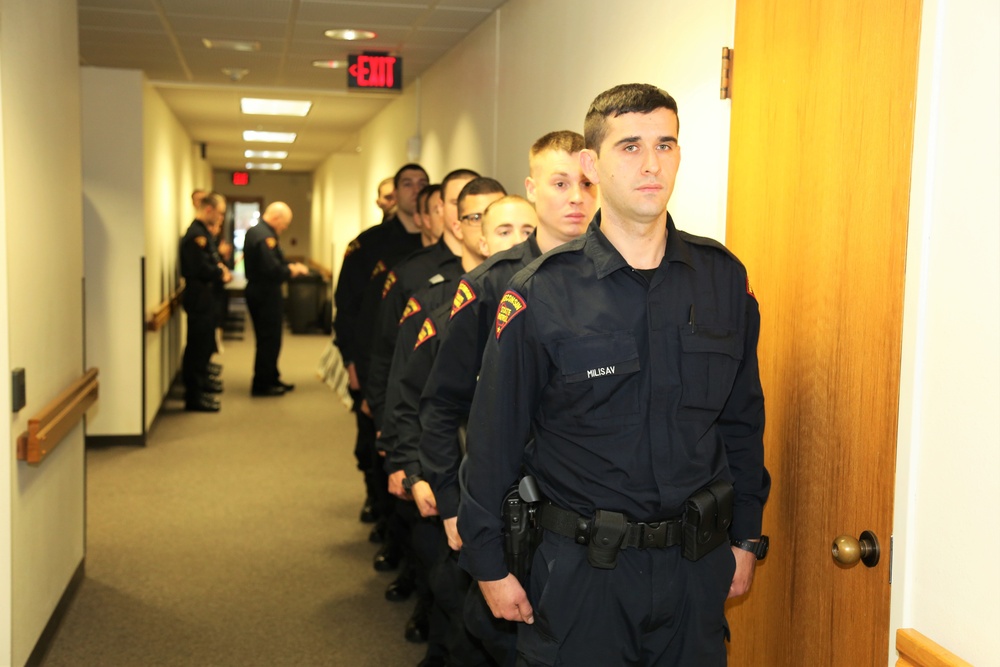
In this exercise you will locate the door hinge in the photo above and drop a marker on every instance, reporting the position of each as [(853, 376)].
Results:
[(892, 544), (725, 87)]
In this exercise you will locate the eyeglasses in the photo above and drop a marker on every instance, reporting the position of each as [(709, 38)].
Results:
[(471, 218)]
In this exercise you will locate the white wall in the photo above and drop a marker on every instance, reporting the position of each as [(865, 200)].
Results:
[(113, 244), (171, 169), (336, 212), (946, 579), (43, 246), (534, 67), (6, 473)]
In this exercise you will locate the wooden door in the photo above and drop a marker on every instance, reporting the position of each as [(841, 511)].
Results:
[(822, 127)]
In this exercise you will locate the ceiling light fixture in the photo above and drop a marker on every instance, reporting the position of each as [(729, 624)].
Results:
[(266, 155), (262, 107), (235, 74), (330, 64), (231, 44), (350, 35), (269, 166), (270, 137)]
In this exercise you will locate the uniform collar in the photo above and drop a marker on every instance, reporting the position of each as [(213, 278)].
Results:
[(607, 259), (532, 245)]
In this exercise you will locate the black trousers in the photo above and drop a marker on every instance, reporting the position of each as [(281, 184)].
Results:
[(197, 350), (653, 608), (266, 310)]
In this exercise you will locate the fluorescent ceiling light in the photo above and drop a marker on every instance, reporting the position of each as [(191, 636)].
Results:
[(258, 106), (330, 64), (350, 35), (231, 44), (266, 155), (270, 166), (271, 137)]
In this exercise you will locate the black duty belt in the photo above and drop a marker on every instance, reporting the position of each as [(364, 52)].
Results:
[(638, 535)]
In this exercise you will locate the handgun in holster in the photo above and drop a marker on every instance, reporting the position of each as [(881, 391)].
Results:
[(707, 517), (521, 532)]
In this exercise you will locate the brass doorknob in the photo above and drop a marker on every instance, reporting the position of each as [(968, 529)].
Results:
[(848, 551)]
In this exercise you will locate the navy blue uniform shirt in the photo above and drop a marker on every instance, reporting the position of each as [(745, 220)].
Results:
[(372, 253), (447, 396), (265, 263), (400, 283), (637, 393)]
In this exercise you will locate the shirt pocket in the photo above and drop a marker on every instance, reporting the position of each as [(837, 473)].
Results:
[(710, 358), (600, 375)]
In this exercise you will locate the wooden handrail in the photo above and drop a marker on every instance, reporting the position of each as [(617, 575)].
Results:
[(164, 311), (916, 650), (47, 429)]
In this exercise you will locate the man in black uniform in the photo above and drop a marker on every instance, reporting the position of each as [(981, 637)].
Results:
[(366, 261), (203, 273), (565, 201), (629, 356), (267, 270)]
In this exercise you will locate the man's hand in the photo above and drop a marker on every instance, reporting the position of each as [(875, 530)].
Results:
[(507, 599), (225, 249), (396, 485), (298, 269), (352, 377), (423, 495), (226, 275), (451, 530), (364, 407), (745, 564)]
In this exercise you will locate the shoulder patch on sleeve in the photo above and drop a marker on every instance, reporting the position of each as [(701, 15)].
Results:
[(464, 295), (412, 308), (379, 268), (271, 242), (390, 280), (750, 289), (427, 331), (352, 247), (201, 241), (511, 305)]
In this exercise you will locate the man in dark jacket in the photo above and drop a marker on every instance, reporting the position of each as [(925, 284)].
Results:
[(266, 270), (203, 273)]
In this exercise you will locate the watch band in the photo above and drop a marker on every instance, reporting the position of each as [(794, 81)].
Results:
[(758, 549)]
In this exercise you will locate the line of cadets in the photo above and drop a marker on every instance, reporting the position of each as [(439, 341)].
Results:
[(416, 299)]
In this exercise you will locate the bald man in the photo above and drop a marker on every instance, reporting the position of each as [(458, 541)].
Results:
[(266, 270)]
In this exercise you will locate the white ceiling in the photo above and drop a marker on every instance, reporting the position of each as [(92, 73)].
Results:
[(163, 38)]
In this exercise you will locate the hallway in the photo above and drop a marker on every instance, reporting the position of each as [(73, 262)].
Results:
[(233, 538)]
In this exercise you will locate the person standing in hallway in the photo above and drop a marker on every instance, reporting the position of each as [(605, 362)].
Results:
[(622, 375), (203, 274), (386, 200), (266, 271)]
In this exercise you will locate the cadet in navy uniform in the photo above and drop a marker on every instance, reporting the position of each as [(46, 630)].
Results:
[(366, 261), (202, 272), (629, 356), (266, 270), (565, 201)]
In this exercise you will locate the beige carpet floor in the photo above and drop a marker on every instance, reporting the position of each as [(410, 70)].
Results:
[(233, 538)]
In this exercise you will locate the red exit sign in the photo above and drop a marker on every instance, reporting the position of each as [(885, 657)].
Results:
[(378, 71)]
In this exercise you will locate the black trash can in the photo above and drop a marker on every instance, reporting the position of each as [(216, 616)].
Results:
[(304, 307)]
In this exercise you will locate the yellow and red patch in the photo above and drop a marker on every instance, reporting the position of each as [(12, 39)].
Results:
[(271, 242), (390, 280), (411, 309), (464, 295), (511, 305), (427, 331), (352, 247), (379, 268), (200, 241), (750, 289)]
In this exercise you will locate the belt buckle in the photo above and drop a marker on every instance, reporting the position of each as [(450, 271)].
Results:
[(653, 534)]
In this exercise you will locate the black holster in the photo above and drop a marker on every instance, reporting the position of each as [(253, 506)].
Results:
[(521, 532), (707, 517)]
